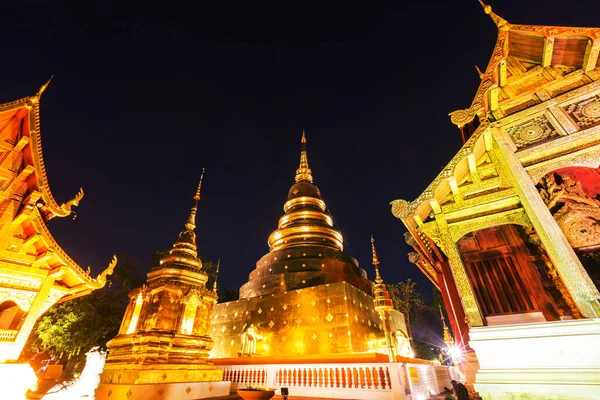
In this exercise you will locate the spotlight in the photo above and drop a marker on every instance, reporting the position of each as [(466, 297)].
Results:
[(455, 352)]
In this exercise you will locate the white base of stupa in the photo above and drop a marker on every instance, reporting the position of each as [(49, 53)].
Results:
[(163, 391)]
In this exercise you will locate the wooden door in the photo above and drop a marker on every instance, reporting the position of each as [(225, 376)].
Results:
[(503, 278)]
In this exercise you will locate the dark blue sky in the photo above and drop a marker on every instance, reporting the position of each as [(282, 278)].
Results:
[(147, 94)]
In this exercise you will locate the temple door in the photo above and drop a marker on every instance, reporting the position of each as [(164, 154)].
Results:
[(504, 279)]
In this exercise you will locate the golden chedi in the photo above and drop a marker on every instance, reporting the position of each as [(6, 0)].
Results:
[(307, 296), (162, 347)]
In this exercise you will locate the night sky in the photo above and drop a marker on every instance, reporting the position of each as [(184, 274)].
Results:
[(145, 95)]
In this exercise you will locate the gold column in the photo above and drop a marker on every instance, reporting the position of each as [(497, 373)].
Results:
[(461, 278), (560, 252)]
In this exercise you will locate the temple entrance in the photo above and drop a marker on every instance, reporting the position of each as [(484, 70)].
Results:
[(572, 195), (506, 282)]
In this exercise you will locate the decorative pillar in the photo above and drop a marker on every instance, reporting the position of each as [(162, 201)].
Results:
[(561, 254), (461, 279)]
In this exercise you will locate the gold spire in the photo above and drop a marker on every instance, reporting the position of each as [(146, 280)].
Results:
[(375, 262), (500, 22), (447, 337), (191, 222), (215, 289), (303, 173)]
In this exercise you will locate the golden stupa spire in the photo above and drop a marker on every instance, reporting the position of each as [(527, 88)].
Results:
[(375, 262), (191, 222), (500, 22), (215, 288), (303, 173), (447, 337)]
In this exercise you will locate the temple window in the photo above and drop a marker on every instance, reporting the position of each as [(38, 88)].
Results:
[(10, 315), (136, 314)]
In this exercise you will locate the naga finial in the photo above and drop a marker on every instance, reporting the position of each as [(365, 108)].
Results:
[(66, 207), (101, 278), (481, 74), (43, 87)]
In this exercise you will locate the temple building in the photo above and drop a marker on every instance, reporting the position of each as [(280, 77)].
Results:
[(161, 351), (306, 296), (35, 272), (508, 228)]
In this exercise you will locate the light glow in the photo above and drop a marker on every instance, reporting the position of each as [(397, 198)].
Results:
[(86, 384), (455, 353), (15, 380), (421, 396)]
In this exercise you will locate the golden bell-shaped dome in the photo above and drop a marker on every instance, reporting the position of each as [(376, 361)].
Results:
[(305, 222)]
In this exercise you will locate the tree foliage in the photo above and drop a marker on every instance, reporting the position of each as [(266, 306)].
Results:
[(408, 300)]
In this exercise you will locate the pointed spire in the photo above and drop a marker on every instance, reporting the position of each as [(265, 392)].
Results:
[(215, 288), (303, 173), (500, 22), (447, 336), (375, 262), (190, 225)]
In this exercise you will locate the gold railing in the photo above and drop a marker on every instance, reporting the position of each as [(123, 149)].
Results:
[(8, 335)]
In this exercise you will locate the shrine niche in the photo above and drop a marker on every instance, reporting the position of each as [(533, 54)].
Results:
[(573, 197)]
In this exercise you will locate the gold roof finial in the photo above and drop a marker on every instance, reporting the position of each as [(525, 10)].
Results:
[(303, 173), (44, 86), (375, 261), (215, 288), (191, 222), (481, 74), (500, 22)]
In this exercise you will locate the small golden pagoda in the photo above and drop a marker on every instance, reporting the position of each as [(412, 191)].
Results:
[(35, 272), (307, 296), (383, 306), (162, 347), (505, 228)]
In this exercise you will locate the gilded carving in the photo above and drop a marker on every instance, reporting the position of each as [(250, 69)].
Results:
[(24, 299), (577, 214), (533, 131), (585, 113)]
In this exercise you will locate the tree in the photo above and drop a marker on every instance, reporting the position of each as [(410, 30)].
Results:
[(408, 301)]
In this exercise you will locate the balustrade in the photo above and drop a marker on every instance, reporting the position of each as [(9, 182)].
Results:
[(8, 335)]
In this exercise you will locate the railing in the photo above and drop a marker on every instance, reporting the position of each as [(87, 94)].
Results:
[(380, 381), (341, 381), (8, 335)]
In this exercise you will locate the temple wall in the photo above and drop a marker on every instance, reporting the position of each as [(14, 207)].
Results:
[(325, 319)]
